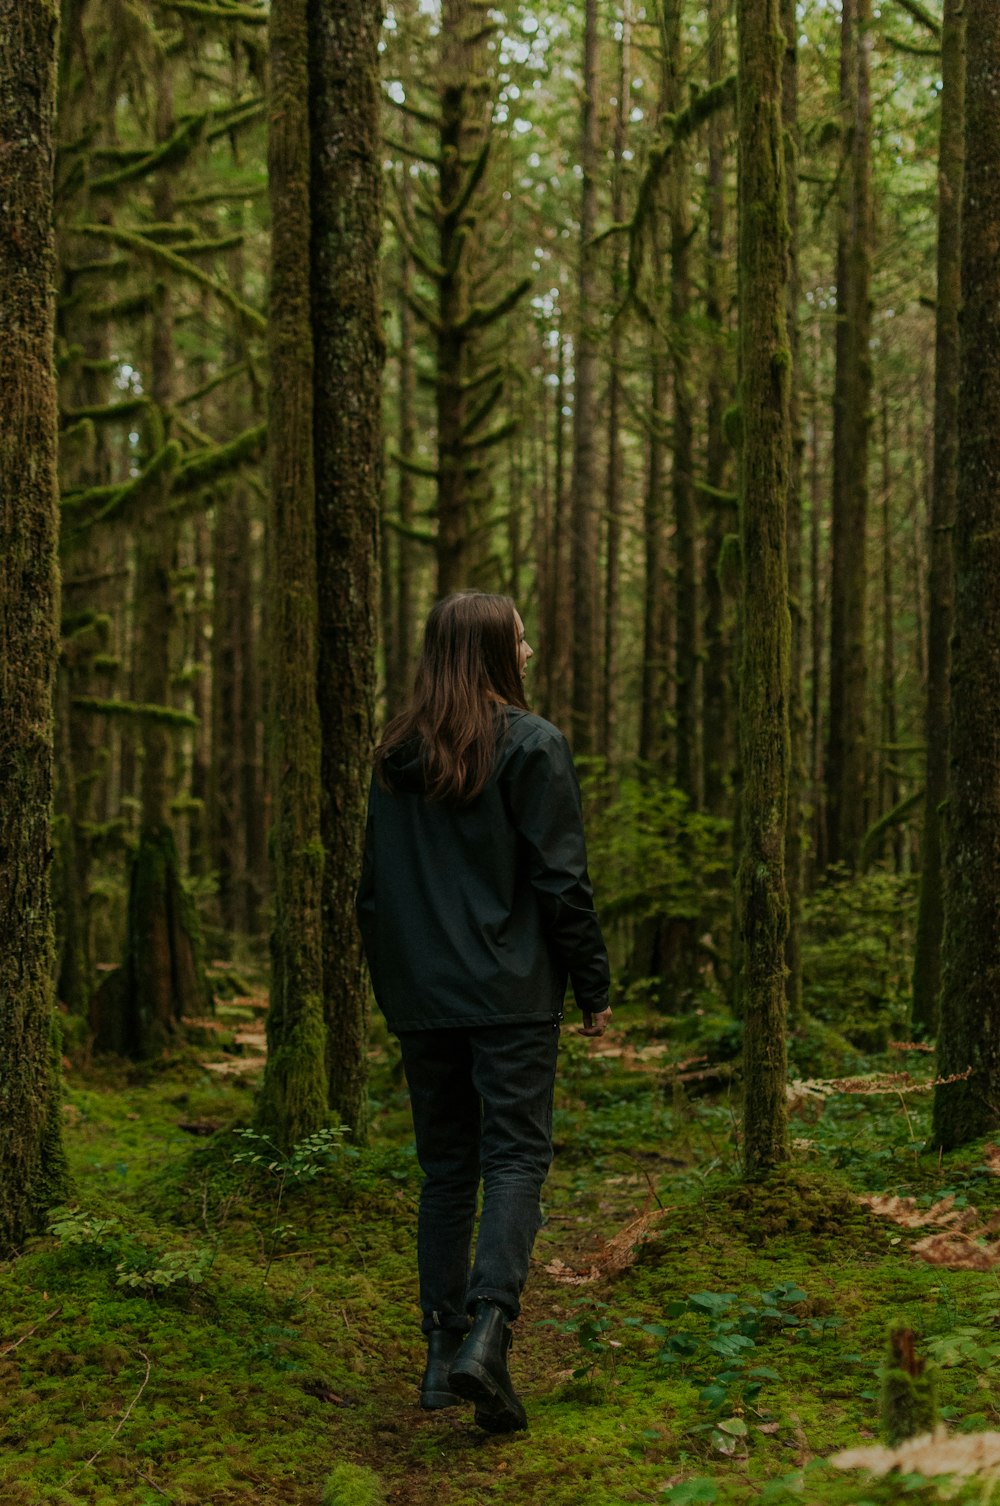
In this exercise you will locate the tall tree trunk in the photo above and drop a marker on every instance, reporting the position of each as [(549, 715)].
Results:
[(137, 1009), (615, 471), (32, 1166), (346, 227), (764, 670), (716, 721), (970, 997), (293, 1101), (847, 744), (556, 606), (888, 763), (940, 592), (687, 626), (817, 624), (653, 692), (798, 721), (398, 663), (584, 552)]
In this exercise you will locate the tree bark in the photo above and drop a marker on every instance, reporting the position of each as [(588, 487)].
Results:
[(346, 227), (32, 1166), (687, 626), (293, 1101), (970, 997), (716, 721), (764, 671), (940, 586), (584, 550), (847, 741), (615, 470), (798, 722)]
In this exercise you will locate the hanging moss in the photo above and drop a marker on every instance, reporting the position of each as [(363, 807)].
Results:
[(241, 14), (106, 413), (122, 310), (135, 241), (205, 466), (170, 716), (169, 154)]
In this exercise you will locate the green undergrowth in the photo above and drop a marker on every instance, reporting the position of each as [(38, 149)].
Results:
[(212, 1323)]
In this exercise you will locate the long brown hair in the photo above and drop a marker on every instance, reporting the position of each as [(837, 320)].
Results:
[(470, 661)]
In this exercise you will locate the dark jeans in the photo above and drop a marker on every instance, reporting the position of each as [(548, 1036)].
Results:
[(482, 1108)]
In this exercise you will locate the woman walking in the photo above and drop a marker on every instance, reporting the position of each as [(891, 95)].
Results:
[(475, 908)]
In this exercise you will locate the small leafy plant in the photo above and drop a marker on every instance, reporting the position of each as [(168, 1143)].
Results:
[(716, 1347), (588, 1326), (139, 1268), (308, 1159)]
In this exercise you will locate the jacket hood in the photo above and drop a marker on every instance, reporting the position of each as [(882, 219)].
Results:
[(404, 769)]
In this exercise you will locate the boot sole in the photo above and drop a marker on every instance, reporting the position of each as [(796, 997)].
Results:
[(436, 1401), (495, 1412)]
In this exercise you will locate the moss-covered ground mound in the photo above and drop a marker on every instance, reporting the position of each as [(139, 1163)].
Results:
[(211, 1326)]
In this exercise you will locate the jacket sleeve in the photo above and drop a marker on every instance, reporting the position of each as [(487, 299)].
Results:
[(543, 800)]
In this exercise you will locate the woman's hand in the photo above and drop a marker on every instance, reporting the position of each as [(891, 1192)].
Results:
[(594, 1024)]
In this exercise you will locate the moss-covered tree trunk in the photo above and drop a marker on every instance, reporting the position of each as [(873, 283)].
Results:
[(888, 792), (970, 996), (717, 710), (930, 914), (687, 593), (293, 1100), (614, 486), (32, 1166), (584, 484), (136, 1010), (232, 647), (797, 718), (653, 687), (346, 226), (765, 362), (847, 752), (555, 597), (398, 639)]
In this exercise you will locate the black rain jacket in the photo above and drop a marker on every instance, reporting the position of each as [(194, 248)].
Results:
[(476, 914)]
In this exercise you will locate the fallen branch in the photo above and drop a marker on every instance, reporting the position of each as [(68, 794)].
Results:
[(124, 1419), (18, 1342)]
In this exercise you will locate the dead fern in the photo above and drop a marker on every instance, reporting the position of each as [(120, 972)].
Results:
[(931, 1454), (963, 1239)]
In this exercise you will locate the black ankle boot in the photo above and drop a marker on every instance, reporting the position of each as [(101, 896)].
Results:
[(480, 1372), (442, 1347)]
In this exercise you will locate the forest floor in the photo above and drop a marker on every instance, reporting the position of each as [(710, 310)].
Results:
[(207, 1329)]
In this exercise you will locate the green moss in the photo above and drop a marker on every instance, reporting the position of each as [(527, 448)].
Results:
[(269, 1391), (353, 1485)]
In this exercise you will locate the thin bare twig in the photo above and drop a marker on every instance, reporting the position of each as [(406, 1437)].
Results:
[(124, 1419), (18, 1342), (150, 1481)]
